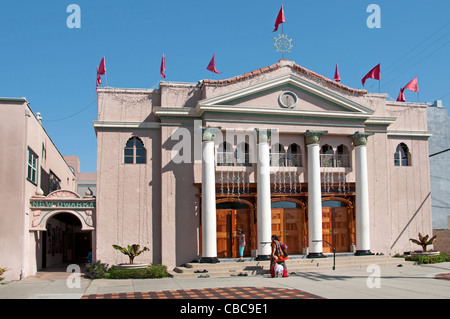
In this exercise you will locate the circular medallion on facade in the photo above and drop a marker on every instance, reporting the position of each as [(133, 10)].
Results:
[(288, 99)]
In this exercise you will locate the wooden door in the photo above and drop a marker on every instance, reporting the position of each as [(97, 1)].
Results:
[(229, 221), (292, 230), (335, 229), (286, 224), (223, 233), (242, 219), (327, 227), (341, 234)]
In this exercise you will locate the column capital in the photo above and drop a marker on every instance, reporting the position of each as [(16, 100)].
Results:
[(313, 137), (209, 133), (263, 135), (360, 138)]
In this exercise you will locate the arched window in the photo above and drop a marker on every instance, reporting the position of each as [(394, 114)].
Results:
[(242, 154), (342, 156), (294, 156), (134, 152), (402, 157), (277, 155), (225, 154), (326, 156)]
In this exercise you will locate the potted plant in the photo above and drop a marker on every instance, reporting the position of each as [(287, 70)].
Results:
[(132, 252), (424, 241)]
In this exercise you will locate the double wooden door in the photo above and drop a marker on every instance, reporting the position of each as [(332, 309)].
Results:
[(229, 221), (336, 229), (289, 225)]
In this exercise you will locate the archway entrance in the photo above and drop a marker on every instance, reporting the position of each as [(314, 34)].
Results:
[(288, 223), (64, 242), (232, 216), (337, 224), (64, 225)]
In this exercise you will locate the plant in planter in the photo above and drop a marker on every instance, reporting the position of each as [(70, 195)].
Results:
[(423, 241), (2, 271), (131, 251)]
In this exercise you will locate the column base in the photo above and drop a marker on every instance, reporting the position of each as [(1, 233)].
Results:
[(316, 255), (363, 253), (262, 257), (209, 260)]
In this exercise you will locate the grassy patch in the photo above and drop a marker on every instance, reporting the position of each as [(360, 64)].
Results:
[(150, 272)]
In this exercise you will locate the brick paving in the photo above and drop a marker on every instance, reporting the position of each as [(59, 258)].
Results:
[(212, 293)]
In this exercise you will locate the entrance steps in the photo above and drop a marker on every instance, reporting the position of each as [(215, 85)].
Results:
[(296, 264)]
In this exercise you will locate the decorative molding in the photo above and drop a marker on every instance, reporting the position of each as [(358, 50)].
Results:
[(313, 137), (360, 138)]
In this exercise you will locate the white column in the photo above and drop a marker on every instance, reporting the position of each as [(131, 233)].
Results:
[(362, 227), (264, 210), (314, 195), (209, 229)]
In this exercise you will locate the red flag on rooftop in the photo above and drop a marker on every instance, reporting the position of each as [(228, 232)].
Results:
[(412, 85), (337, 78), (163, 66), (280, 19), (101, 70), (373, 74), (212, 66), (99, 79), (401, 95)]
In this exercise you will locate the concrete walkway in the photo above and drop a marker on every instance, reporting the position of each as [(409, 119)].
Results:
[(407, 282)]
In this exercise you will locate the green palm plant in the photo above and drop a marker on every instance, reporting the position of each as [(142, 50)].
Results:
[(131, 251), (423, 241)]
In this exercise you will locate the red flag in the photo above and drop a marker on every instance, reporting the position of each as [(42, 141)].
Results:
[(401, 96), (337, 78), (412, 85), (163, 66), (99, 79), (280, 19), (373, 74), (212, 66), (101, 70)]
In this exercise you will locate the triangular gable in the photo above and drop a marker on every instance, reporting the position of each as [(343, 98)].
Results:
[(312, 100)]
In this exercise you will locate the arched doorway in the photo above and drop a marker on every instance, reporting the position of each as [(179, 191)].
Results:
[(337, 224), (64, 241), (64, 225), (232, 215), (289, 224)]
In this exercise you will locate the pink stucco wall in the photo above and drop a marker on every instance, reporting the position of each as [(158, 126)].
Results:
[(20, 250)]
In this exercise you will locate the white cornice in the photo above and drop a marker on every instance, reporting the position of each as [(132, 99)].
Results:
[(125, 125), (422, 134)]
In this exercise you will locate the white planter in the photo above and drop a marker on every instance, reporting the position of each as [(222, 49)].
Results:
[(427, 253), (132, 266)]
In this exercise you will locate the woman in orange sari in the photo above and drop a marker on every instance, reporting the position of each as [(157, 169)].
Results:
[(277, 257)]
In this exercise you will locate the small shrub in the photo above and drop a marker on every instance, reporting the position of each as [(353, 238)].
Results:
[(96, 270), (150, 272)]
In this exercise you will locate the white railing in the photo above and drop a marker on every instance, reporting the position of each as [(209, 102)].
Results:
[(334, 160), (229, 159)]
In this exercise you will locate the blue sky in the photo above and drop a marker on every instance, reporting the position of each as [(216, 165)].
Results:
[(54, 66)]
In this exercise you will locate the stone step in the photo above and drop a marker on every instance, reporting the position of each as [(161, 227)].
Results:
[(252, 267)]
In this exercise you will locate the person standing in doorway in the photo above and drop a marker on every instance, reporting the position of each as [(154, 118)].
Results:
[(241, 244)]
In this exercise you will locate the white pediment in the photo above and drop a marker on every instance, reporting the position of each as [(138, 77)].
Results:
[(268, 98)]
